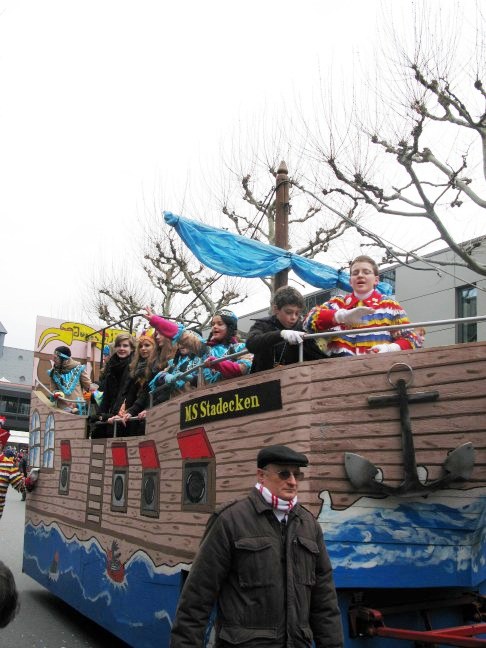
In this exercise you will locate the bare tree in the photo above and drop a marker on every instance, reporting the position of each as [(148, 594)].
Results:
[(177, 285), (246, 194), (260, 224), (417, 156), (171, 281), (429, 138)]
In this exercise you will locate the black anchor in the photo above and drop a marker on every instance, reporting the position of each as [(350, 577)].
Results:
[(362, 473)]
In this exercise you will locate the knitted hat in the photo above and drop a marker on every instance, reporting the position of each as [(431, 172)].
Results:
[(4, 435), (63, 351), (280, 454)]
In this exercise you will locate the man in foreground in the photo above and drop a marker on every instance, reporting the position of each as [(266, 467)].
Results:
[(263, 562)]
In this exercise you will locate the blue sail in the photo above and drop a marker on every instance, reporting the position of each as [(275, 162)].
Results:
[(232, 254)]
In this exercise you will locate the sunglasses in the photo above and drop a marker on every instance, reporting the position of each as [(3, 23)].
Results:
[(285, 474)]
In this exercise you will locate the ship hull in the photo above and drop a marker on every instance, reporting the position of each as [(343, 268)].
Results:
[(153, 494)]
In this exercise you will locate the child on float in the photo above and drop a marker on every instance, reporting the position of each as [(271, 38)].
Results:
[(222, 342), (274, 340), (191, 351)]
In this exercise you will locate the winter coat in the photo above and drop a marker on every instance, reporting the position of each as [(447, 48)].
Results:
[(116, 381), (273, 584), (270, 349), (220, 350)]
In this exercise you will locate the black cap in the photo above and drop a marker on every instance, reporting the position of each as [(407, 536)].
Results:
[(280, 454)]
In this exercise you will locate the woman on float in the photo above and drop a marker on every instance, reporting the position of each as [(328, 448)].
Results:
[(133, 410), (116, 378)]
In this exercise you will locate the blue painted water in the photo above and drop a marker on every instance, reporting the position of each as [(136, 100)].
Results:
[(139, 609), (435, 541)]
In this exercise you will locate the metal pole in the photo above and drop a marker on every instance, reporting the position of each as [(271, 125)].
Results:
[(281, 220)]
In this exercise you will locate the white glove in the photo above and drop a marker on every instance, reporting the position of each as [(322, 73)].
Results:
[(353, 316), (293, 337), (386, 348)]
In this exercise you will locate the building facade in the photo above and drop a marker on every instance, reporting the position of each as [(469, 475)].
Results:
[(16, 367)]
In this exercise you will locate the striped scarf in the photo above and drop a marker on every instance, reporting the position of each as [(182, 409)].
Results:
[(282, 506)]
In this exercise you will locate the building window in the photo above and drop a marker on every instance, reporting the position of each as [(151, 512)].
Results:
[(317, 298), (9, 404), (390, 277), (24, 406), (48, 454), (314, 299), (34, 440), (466, 299)]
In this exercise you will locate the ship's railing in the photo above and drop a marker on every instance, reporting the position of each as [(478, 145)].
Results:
[(392, 327), (325, 334), (329, 334)]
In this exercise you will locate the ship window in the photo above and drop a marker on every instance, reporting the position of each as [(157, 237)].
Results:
[(48, 453), (34, 440), (466, 306), (198, 484)]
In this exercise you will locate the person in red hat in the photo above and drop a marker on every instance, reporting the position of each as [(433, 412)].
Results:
[(9, 473)]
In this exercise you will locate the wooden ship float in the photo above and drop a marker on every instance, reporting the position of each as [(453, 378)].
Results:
[(397, 480)]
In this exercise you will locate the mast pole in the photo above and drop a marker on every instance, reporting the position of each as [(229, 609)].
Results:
[(282, 208)]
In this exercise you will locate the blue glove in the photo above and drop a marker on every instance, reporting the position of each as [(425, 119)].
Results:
[(157, 379), (171, 378)]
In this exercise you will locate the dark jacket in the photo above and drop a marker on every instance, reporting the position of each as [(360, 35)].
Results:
[(270, 350), (116, 381), (274, 588)]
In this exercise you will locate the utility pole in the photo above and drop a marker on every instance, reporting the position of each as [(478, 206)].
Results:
[(282, 208)]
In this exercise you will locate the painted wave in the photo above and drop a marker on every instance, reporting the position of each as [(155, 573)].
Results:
[(139, 609), (433, 541)]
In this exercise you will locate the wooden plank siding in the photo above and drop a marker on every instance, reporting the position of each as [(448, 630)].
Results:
[(325, 413)]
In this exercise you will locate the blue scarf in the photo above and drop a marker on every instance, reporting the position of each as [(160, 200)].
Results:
[(67, 381)]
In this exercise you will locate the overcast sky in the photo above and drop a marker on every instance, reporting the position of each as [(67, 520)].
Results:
[(108, 104)]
